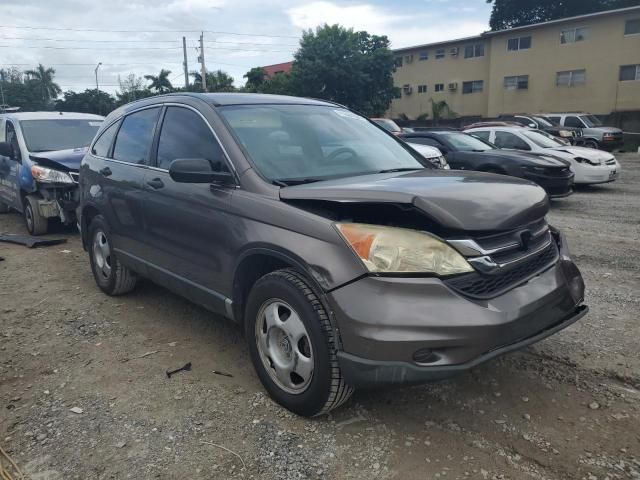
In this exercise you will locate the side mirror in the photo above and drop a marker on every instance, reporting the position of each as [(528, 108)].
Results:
[(6, 150), (198, 170), (532, 125)]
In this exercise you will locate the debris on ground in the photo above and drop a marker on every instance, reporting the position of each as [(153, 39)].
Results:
[(30, 241), (185, 368)]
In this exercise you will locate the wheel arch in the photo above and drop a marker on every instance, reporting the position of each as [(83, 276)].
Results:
[(257, 261), (88, 213)]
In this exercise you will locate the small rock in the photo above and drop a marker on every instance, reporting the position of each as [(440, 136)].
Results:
[(376, 466), (120, 444), (525, 399), (77, 410), (41, 436), (594, 405), (526, 416), (172, 344)]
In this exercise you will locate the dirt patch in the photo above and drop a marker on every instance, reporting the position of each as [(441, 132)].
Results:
[(567, 408)]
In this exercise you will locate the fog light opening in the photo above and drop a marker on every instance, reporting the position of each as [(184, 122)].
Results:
[(425, 355)]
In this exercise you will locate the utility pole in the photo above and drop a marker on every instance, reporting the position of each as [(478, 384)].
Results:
[(184, 64), (96, 72), (203, 69)]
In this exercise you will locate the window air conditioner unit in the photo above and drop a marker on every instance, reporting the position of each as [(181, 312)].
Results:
[(453, 86), (408, 58), (407, 89), (454, 51)]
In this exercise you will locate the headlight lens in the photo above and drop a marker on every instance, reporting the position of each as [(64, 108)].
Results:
[(400, 250), (48, 175), (565, 133)]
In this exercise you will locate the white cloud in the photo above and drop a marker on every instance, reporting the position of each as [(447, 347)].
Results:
[(188, 6), (403, 30)]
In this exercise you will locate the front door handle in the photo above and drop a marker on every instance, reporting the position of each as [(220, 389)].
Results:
[(155, 183), (105, 172)]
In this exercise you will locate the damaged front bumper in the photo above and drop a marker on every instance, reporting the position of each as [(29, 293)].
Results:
[(416, 330), (58, 202)]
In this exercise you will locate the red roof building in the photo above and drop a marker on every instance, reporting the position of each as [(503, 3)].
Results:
[(271, 70)]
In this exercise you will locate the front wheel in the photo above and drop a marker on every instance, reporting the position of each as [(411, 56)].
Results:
[(293, 346), (591, 144), (35, 222)]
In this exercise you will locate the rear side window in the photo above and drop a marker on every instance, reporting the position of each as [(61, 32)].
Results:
[(103, 144), (573, 122), (133, 142), (185, 134), (509, 140)]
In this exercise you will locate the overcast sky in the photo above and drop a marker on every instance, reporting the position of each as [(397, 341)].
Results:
[(239, 34)]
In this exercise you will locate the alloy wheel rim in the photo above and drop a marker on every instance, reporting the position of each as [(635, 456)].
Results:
[(102, 254), (29, 216), (284, 346)]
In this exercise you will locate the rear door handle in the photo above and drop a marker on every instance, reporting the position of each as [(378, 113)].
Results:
[(105, 172), (155, 183)]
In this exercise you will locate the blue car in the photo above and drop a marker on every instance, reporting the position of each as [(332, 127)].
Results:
[(40, 154)]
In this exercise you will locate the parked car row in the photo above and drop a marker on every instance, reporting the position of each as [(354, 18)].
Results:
[(347, 258)]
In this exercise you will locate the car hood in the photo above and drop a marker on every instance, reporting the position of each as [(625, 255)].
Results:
[(426, 151), (588, 153), (453, 199), (537, 159), (67, 160)]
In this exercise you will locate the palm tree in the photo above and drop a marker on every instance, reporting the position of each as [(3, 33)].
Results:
[(217, 81), (42, 78), (161, 83), (440, 110)]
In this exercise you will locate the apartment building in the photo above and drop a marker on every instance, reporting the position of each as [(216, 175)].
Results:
[(587, 63)]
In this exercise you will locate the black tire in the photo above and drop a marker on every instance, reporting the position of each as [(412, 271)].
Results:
[(116, 279), (36, 223), (326, 388), (591, 144)]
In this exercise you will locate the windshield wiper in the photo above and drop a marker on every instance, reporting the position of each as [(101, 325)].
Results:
[(288, 182), (403, 169)]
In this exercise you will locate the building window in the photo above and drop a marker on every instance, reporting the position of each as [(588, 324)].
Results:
[(422, 89), (573, 35), (439, 87), (440, 53), (472, 87), (629, 72), (516, 82), (571, 78), (424, 55), (519, 43), (476, 50), (632, 27), (398, 62)]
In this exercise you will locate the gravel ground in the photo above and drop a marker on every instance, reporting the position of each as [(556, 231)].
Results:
[(84, 395)]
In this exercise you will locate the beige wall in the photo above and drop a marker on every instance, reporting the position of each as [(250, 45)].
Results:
[(447, 70), (601, 55)]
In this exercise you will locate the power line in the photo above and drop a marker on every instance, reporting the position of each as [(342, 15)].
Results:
[(45, 39), (24, 27), (117, 49)]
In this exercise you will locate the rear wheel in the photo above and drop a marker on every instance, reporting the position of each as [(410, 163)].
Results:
[(112, 277), (35, 222), (293, 346)]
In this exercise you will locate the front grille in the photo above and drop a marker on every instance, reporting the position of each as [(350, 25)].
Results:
[(482, 286), (499, 240)]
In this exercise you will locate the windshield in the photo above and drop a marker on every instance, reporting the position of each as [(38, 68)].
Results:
[(289, 143), (542, 139), (467, 143), (63, 134), (388, 125), (591, 121), (543, 121)]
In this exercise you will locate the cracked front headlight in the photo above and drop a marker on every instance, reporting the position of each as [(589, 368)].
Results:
[(400, 250), (565, 133), (49, 175)]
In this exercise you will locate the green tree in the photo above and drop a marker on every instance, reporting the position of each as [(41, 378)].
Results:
[(19, 93), (255, 79), (42, 79), (515, 13), (160, 83), (351, 68), (89, 101), (440, 110), (131, 88), (217, 81)]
